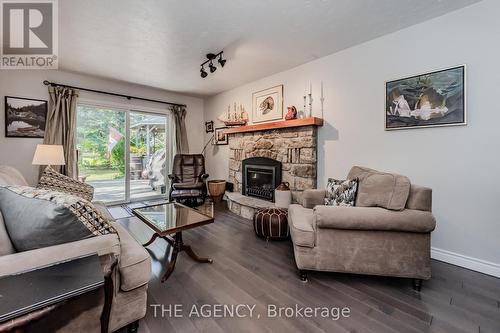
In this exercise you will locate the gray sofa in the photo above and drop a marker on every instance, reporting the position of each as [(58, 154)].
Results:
[(388, 232), (130, 277)]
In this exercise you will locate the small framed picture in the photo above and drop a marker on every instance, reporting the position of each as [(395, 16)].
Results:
[(267, 105), (209, 126), (25, 117), (220, 136)]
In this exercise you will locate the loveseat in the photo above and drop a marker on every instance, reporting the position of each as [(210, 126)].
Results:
[(130, 276), (388, 232)]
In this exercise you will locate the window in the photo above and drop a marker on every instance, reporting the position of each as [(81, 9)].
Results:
[(122, 153)]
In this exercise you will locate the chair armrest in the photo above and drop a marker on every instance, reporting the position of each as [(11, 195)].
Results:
[(29, 260), (311, 198), (374, 218)]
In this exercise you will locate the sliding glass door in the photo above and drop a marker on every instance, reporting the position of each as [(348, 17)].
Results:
[(100, 143), (148, 149), (122, 153)]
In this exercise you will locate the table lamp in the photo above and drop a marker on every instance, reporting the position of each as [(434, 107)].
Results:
[(49, 155)]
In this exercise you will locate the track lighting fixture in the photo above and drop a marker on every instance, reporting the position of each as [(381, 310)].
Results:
[(210, 63)]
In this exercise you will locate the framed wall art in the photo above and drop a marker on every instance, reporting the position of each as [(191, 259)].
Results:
[(25, 117), (220, 136), (427, 100), (267, 105), (209, 126)]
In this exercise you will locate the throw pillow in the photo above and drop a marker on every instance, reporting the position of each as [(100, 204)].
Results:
[(53, 180), (36, 218), (341, 192), (381, 189)]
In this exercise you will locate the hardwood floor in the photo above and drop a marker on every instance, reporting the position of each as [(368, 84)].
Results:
[(246, 270)]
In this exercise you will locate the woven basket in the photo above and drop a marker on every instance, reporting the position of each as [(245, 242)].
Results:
[(217, 189)]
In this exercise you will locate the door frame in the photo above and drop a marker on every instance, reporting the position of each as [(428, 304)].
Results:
[(127, 109)]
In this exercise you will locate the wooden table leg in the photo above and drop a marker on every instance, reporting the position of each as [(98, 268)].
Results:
[(178, 246), (194, 256), (155, 236)]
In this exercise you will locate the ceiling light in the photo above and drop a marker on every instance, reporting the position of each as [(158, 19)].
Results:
[(212, 67), (222, 62), (203, 73), (211, 57)]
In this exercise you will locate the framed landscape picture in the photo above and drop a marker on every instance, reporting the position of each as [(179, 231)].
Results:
[(267, 105), (25, 117), (427, 100), (220, 137)]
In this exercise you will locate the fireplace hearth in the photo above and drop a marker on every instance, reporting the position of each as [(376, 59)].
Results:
[(261, 176)]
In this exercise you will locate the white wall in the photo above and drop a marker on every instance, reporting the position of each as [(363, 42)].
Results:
[(460, 163), (18, 152)]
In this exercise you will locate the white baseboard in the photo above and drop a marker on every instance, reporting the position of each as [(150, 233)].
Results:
[(474, 264)]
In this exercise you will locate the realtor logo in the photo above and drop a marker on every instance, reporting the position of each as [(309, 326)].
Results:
[(29, 34)]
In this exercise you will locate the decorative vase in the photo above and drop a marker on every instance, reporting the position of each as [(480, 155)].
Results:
[(282, 195), (216, 188)]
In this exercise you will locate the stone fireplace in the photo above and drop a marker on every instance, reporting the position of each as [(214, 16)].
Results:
[(295, 148)]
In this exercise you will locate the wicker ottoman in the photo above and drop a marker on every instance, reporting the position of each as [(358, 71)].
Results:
[(271, 223)]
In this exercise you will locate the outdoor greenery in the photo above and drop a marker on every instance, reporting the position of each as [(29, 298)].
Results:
[(93, 131)]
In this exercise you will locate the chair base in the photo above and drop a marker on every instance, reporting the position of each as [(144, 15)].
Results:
[(303, 276), (417, 284), (133, 327)]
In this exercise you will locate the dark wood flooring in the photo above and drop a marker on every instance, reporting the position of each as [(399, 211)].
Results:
[(246, 270)]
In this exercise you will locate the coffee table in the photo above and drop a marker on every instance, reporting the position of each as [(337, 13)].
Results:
[(168, 221)]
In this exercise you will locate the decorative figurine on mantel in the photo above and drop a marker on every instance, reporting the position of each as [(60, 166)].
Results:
[(292, 113), (238, 117)]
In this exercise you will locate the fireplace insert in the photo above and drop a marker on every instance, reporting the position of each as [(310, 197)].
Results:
[(261, 176)]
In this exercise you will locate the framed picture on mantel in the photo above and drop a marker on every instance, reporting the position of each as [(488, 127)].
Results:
[(267, 105)]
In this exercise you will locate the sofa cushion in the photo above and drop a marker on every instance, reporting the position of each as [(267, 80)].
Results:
[(420, 198), (374, 219), (135, 262), (311, 198), (187, 186), (341, 192), (300, 221), (60, 218), (380, 189), (6, 246), (28, 260), (53, 180)]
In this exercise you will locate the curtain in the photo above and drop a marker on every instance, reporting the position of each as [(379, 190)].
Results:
[(60, 128), (181, 140)]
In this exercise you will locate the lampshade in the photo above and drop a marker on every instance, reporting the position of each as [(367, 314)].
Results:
[(49, 155)]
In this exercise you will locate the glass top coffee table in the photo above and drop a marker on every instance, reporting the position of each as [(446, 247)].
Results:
[(168, 221)]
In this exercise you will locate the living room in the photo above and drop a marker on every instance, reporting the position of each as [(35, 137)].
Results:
[(333, 160)]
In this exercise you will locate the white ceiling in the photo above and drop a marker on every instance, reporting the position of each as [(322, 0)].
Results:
[(162, 43)]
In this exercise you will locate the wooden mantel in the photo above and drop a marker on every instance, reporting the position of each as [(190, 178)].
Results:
[(313, 121)]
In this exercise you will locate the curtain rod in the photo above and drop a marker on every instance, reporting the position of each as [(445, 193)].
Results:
[(53, 84)]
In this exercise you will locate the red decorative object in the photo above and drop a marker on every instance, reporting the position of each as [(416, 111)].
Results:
[(292, 113)]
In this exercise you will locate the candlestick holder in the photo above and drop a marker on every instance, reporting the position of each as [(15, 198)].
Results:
[(304, 113), (310, 105)]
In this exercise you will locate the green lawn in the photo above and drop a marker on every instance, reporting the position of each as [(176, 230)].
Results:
[(101, 174)]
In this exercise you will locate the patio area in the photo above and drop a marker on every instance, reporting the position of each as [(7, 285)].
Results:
[(114, 190)]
